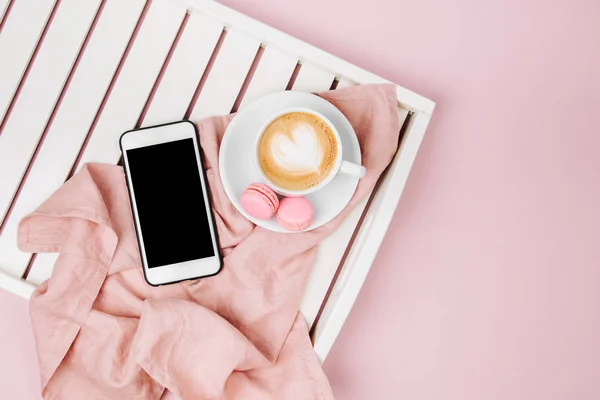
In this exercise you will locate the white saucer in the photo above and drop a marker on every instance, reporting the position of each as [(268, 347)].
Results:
[(238, 168)]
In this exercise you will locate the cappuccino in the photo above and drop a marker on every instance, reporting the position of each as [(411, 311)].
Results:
[(297, 151)]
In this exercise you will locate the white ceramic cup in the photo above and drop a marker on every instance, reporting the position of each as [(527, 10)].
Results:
[(340, 166)]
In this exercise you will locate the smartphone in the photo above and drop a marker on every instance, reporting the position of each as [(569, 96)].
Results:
[(171, 204)]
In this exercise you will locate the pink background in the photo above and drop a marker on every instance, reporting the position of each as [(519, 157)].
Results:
[(487, 285)]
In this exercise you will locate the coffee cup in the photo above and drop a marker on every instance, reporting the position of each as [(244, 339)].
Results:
[(299, 151)]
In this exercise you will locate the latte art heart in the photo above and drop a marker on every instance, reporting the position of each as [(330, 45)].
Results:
[(297, 151)]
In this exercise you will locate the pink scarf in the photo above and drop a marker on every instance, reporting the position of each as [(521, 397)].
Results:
[(103, 333)]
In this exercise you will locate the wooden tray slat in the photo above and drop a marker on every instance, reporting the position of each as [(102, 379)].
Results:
[(187, 64), (272, 74), (330, 254), (42, 267), (135, 81), (128, 96), (38, 97), (344, 83), (369, 236), (226, 76), (73, 119), (3, 8), (312, 78), (15, 30)]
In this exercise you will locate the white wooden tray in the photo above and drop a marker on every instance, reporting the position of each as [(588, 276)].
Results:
[(75, 74)]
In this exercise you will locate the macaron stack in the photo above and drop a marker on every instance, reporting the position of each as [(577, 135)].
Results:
[(293, 213)]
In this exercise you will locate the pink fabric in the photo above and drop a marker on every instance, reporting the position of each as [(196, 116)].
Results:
[(103, 333)]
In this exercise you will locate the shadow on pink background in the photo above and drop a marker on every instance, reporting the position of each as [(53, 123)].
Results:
[(487, 285)]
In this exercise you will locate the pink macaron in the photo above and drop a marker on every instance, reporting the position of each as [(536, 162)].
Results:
[(295, 213), (259, 201)]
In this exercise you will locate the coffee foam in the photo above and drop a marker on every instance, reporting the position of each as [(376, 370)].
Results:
[(297, 151)]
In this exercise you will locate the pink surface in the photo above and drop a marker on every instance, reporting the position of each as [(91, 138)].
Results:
[(488, 282)]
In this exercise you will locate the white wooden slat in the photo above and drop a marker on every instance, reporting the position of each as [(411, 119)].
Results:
[(3, 7), (187, 64), (344, 83), (128, 96), (26, 34), (71, 122), (40, 93), (272, 74), (135, 82), (369, 237), (331, 250), (329, 255), (313, 79), (41, 269), (227, 75), (16, 285)]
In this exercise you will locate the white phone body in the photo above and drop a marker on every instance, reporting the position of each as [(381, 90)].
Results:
[(171, 203)]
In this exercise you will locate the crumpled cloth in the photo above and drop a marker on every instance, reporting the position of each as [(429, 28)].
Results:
[(102, 333)]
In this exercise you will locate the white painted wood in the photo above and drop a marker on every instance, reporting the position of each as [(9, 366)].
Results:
[(329, 256), (345, 83), (16, 286), (23, 27), (42, 267), (313, 79), (332, 249), (39, 94), (272, 74), (3, 7), (402, 116), (128, 97), (135, 81), (71, 123), (187, 64), (227, 75), (369, 238), (305, 51)]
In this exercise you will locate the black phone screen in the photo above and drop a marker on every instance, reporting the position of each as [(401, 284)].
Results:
[(170, 203)]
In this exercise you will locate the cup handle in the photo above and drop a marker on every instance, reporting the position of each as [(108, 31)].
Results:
[(352, 169)]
